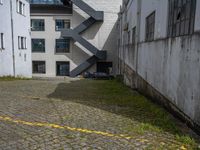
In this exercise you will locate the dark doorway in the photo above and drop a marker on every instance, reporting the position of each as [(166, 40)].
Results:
[(105, 67), (62, 68)]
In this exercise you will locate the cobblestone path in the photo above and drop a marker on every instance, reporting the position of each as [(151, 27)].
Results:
[(84, 114)]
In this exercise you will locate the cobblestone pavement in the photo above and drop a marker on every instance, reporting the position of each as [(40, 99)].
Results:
[(59, 115)]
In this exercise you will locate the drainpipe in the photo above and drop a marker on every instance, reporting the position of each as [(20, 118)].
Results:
[(13, 51), (139, 4)]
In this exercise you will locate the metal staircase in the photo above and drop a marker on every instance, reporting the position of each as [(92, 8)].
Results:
[(95, 16)]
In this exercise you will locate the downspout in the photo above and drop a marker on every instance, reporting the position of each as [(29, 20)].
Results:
[(12, 32), (139, 4)]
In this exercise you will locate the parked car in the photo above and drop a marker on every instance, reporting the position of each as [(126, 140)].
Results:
[(97, 75), (102, 75), (88, 75)]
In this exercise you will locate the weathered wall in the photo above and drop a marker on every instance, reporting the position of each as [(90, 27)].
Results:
[(173, 68), (168, 66)]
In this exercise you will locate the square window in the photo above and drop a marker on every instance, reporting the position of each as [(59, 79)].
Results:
[(62, 68), (37, 25), (39, 67), (181, 17), (62, 24), (62, 45), (38, 45)]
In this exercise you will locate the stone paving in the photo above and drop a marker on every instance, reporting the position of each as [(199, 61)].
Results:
[(33, 116)]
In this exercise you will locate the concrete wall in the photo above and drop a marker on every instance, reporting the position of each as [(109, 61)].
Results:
[(169, 66), (102, 35), (21, 25)]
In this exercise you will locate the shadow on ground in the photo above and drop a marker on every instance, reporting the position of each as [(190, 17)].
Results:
[(114, 97)]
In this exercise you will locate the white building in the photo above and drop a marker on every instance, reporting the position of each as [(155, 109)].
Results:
[(15, 51), (53, 55), (159, 53)]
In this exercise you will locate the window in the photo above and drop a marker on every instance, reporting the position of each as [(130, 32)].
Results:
[(129, 37), (1, 2), (38, 45), (2, 41), (150, 27), (39, 67), (134, 36), (22, 42), (37, 25), (62, 45), (20, 7), (62, 24), (181, 17), (105, 67), (62, 68)]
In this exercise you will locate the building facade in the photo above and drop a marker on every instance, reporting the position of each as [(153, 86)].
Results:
[(15, 50), (158, 53), (70, 39)]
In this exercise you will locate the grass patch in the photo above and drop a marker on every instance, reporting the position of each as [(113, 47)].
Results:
[(11, 78), (186, 140), (151, 116)]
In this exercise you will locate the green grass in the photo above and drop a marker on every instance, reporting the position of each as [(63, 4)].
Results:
[(10, 78), (154, 118), (185, 139)]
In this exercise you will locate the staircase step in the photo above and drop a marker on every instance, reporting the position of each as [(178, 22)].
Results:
[(84, 66), (85, 25), (69, 33), (97, 15), (74, 34)]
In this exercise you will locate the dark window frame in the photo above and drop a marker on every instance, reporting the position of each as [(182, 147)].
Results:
[(38, 51), (181, 17), (59, 50), (22, 42), (20, 6), (2, 41), (150, 27), (39, 70), (61, 63), (128, 37), (39, 28), (63, 21), (134, 35)]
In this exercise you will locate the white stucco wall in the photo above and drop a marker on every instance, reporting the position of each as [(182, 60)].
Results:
[(6, 61), (21, 26)]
